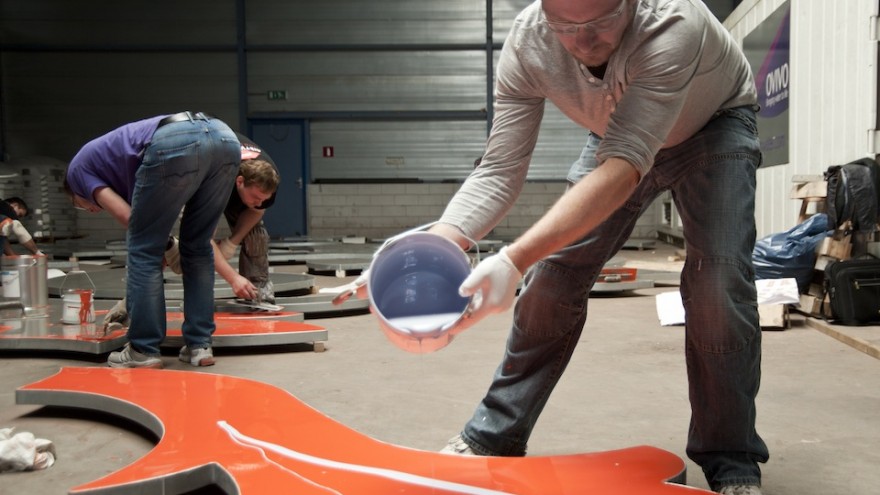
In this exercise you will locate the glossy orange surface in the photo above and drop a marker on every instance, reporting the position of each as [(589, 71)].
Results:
[(249, 437), (172, 316), (239, 324), (227, 324)]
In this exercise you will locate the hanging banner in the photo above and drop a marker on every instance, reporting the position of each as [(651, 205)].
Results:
[(767, 50)]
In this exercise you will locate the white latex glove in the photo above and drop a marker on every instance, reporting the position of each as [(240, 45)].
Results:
[(227, 248), (493, 284), (118, 315), (356, 288), (172, 256)]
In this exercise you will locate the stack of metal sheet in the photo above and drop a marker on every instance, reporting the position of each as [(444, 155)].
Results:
[(42, 187), (10, 181)]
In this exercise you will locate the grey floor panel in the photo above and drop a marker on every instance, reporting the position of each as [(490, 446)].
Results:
[(110, 284)]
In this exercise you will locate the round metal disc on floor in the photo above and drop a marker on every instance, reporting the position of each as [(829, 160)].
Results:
[(321, 305), (610, 287), (49, 333), (110, 284), (339, 263), (302, 245)]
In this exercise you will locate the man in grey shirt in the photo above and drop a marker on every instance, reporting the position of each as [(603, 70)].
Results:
[(671, 102)]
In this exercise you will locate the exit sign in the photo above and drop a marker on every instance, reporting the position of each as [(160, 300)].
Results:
[(276, 94)]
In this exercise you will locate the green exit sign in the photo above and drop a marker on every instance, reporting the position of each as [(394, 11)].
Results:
[(276, 94)]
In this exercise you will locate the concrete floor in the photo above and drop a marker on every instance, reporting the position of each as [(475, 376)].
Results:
[(818, 410)]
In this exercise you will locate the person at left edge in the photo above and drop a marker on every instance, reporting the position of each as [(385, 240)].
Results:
[(144, 173), (12, 210)]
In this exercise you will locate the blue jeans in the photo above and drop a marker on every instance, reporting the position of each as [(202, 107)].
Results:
[(253, 258), (712, 179), (586, 162), (189, 164)]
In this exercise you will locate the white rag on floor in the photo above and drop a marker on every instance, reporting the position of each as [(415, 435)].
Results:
[(23, 452)]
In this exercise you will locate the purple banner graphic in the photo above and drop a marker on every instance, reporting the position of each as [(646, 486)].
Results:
[(774, 77)]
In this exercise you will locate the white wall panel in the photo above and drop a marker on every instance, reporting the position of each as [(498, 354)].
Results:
[(368, 81), (419, 150), (54, 102), (365, 22), (503, 14), (432, 150), (112, 62), (117, 23), (833, 101)]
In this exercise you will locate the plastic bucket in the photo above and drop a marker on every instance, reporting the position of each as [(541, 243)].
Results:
[(25, 278), (413, 290)]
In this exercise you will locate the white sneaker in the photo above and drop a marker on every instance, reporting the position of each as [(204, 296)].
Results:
[(128, 357), (740, 490), (456, 446), (203, 356)]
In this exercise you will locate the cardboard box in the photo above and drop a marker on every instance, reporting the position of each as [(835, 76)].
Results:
[(840, 249), (823, 261), (774, 316), (815, 306), (813, 189)]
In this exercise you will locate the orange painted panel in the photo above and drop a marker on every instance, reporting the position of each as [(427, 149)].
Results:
[(252, 438), (229, 315), (240, 325), (228, 324)]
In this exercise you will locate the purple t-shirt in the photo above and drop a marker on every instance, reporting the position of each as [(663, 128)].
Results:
[(111, 160)]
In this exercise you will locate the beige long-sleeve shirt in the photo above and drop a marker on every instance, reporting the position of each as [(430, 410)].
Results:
[(675, 68)]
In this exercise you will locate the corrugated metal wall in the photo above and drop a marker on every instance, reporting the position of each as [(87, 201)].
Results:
[(360, 79), (399, 88), (833, 106), (73, 72)]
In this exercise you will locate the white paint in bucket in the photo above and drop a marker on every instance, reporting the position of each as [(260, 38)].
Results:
[(422, 324), (413, 289)]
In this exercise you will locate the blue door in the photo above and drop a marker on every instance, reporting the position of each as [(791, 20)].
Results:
[(285, 141)]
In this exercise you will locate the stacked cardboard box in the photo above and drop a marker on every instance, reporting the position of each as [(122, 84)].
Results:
[(812, 192), (836, 247)]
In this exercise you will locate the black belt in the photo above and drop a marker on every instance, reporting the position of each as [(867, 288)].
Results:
[(180, 117)]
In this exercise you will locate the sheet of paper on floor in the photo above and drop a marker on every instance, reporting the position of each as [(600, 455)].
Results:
[(670, 309)]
